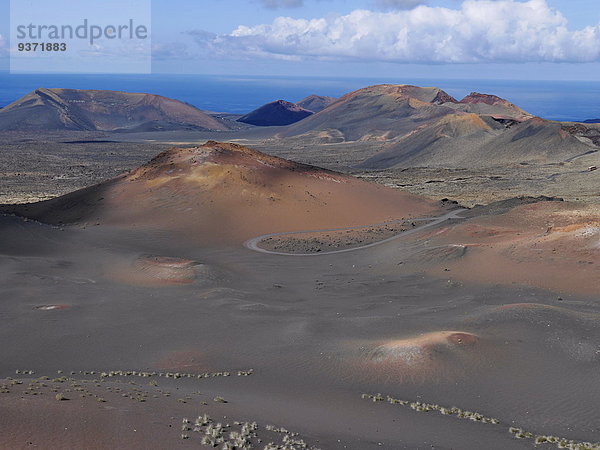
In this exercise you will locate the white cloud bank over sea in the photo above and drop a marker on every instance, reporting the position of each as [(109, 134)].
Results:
[(478, 31)]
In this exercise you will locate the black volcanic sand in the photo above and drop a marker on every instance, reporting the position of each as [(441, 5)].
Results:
[(317, 332), (34, 168)]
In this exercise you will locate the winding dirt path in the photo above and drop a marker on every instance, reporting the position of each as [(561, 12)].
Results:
[(252, 244)]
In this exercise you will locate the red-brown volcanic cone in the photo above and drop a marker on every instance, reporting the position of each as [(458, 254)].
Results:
[(228, 193)]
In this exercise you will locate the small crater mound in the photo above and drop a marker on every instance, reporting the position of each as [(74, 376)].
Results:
[(165, 269), (409, 349), (160, 270), (430, 356), (51, 307), (462, 339)]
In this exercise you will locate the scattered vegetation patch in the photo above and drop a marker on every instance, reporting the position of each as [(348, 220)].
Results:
[(241, 435), (62, 385), (570, 444), (134, 373), (426, 407), (459, 413)]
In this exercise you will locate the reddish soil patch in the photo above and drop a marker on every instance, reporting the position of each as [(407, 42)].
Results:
[(552, 245), (462, 339), (183, 360)]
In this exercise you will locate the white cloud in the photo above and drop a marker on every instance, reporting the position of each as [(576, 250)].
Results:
[(478, 31), (274, 4)]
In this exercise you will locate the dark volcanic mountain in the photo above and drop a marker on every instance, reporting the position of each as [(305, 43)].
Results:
[(91, 110), (316, 103), (276, 113)]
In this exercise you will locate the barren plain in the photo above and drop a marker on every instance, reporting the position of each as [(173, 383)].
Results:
[(178, 292)]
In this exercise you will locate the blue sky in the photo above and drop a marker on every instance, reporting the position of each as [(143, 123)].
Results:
[(510, 39), (220, 16)]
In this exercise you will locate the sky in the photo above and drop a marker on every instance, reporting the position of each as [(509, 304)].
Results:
[(492, 39)]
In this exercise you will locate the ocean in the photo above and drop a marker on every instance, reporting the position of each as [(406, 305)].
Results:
[(554, 100)]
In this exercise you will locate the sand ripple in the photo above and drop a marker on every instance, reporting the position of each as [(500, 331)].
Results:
[(158, 270)]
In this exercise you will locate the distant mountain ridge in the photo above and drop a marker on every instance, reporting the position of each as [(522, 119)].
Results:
[(99, 110), (316, 103), (425, 126), (408, 125), (376, 112), (470, 140), (492, 105), (387, 111)]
